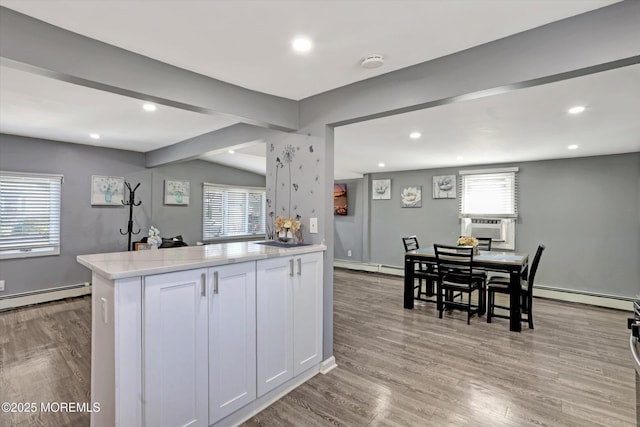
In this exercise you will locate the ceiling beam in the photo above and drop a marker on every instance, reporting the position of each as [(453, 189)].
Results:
[(220, 139), (594, 41), (35, 46)]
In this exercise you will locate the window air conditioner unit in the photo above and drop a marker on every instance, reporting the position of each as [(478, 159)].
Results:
[(501, 230)]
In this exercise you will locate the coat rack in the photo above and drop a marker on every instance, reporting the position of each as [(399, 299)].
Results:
[(131, 204)]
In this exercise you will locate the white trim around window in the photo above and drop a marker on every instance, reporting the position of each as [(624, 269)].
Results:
[(232, 211), (488, 193), (29, 214)]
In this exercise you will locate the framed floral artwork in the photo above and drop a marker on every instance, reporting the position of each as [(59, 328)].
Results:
[(176, 192), (381, 189), (107, 190), (411, 197), (444, 187)]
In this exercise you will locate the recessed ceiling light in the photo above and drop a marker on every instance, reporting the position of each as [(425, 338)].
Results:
[(301, 44), (149, 107), (380, 165), (576, 110), (459, 158), (415, 135), (231, 152), (573, 146), (95, 136)]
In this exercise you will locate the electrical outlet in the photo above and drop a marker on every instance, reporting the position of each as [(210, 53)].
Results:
[(1, 285), (349, 252), (313, 225)]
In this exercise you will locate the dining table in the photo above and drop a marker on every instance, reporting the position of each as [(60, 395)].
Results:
[(515, 264)]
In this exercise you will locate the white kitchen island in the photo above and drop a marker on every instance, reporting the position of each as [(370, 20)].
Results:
[(202, 335)]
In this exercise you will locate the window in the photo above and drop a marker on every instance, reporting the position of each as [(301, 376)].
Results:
[(489, 193), (232, 211), (29, 214)]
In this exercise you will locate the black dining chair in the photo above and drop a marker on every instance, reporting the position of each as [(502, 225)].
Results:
[(456, 277), (423, 271), (500, 284), (484, 243)]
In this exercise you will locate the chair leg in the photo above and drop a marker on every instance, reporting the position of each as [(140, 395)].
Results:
[(439, 301), (429, 287), (482, 300), (530, 310), (491, 296)]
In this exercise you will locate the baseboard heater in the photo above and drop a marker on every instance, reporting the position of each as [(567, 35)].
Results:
[(541, 291), (22, 299)]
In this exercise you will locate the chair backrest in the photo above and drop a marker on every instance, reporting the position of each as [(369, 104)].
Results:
[(484, 243), (455, 263), (410, 243), (534, 266)]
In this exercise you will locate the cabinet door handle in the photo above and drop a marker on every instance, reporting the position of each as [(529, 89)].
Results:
[(215, 282), (299, 266), (291, 267), (203, 285)]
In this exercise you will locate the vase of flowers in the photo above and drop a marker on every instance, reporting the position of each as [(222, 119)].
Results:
[(286, 228), (154, 240), (469, 241)]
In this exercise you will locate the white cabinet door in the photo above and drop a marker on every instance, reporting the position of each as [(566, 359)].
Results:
[(307, 312), (175, 349), (232, 338), (274, 322), (289, 307)]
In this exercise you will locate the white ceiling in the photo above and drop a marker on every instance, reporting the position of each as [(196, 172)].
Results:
[(522, 125), (247, 43)]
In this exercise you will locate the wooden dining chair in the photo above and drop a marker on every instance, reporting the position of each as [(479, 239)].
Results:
[(456, 277), (500, 284), (423, 271)]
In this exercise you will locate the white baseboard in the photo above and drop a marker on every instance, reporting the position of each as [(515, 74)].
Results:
[(360, 266), (608, 301), (328, 365), (45, 295), (551, 292)]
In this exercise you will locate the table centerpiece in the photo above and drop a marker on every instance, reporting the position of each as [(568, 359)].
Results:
[(469, 241), (286, 228)]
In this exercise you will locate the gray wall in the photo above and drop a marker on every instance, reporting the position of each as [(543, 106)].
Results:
[(348, 229), (296, 187), (89, 229), (187, 220), (586, 210)]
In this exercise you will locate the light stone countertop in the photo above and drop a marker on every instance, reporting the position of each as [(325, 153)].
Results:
[(120, 265)]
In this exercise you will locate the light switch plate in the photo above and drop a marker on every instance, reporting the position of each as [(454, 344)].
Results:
[(313, 225), (1, 285)]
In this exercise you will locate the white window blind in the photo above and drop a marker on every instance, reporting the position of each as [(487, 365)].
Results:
[(489, 193), (232, 211), (29, 214)]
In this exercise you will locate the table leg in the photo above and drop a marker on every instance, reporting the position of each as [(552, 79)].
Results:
[(515, 315), (408, 282)]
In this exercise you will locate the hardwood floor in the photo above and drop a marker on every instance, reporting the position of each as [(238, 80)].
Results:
[(396, 367), (45, 357), (401, 367)]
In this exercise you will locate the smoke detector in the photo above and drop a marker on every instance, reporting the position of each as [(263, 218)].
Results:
[(372, 61)]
